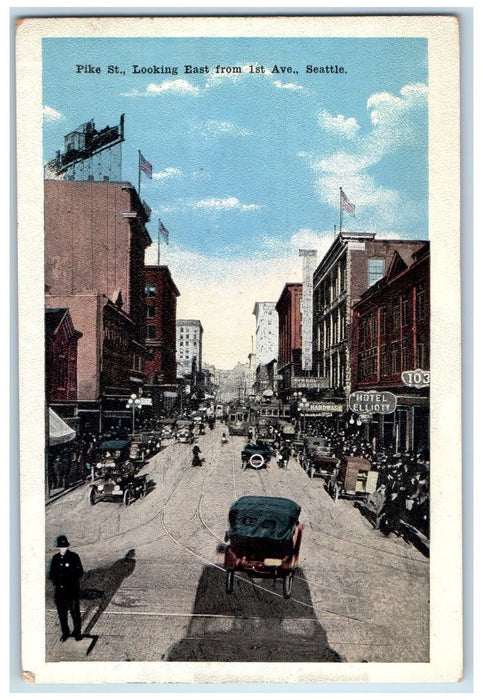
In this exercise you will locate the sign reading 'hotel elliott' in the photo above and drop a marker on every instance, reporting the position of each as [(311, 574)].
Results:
[(372, 402)]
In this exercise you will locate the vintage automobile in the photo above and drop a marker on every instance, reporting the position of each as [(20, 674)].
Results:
[(318, 458), (118, 482), (110, 454), (256, 455), (184, 433), (264, 539)]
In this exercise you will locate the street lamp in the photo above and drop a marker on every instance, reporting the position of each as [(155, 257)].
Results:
[(134, 402), (302, 404)]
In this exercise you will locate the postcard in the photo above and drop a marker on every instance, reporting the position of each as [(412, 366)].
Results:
[(239, 349)]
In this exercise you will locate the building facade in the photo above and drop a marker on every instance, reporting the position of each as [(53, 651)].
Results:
[(61, 339), (161, 298), (391, 340), (95, 240), (189, 347), (353, 263), (288, 308)]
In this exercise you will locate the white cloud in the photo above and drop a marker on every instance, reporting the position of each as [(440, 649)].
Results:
[(213, 128), (224, 204), (179, 86), (287, 86), (51, 115), (167, 173), (338, 125), (395, 122)]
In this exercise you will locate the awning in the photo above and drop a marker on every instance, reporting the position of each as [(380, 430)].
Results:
[(59, 431)]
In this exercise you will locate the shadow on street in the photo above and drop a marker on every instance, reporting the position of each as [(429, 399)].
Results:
[(254, 623), (100, 585)]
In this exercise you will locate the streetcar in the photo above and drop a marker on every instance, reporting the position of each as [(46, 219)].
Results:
[(263, 540), (239, 421)]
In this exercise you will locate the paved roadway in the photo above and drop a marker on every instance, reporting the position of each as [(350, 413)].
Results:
[(154, 587)]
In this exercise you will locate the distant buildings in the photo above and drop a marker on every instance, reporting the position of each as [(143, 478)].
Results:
[(189, 347), (266, 353)]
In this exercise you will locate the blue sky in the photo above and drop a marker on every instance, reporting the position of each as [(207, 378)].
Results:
[(247, 167)]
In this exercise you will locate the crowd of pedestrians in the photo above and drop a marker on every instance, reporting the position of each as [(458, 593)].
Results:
[(402, 492)]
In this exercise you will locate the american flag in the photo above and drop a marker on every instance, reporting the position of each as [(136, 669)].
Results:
[(348, 206), (145, 166), (164, 231)]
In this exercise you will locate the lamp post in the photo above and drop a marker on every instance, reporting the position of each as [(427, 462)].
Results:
[(302, 405), (134, 402)]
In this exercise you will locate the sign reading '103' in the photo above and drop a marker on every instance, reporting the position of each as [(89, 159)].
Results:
[(418, 378)]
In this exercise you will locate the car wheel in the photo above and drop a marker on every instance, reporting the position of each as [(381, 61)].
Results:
[(230, 580), (287, 585), (127, 498), (93, 496)]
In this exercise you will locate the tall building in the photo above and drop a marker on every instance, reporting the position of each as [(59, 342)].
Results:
[(161, 296), (353, 263), (189, 347), (391, 336), (95, 240), (266, 346)]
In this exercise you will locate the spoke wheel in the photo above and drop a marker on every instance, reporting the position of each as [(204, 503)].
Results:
[(93, 496), (287, 585), (230, 580), (127, 498)]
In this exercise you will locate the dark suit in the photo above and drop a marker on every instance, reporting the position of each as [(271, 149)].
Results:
[(65, 573)]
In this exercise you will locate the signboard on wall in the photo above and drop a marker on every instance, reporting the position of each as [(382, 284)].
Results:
[(308, 268)]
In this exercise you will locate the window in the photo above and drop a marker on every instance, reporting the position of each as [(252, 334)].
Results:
[(395, 314), (405, 354), (420, 301), (383, 320), (405, 309), (375, 268), (150, 290), (150, 331), (394, 358), (150, 311), (420, 356)]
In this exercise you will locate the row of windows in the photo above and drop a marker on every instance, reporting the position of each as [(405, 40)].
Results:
[(398, 315), (393, 359)]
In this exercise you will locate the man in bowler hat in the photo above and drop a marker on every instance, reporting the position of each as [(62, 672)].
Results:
[(65, 573)]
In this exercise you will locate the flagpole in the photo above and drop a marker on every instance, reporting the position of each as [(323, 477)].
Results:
[(159, 242), (340, 208), (139, 173)]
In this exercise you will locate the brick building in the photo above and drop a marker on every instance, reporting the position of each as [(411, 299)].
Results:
[(161, 296), (353, 263), (61, 339), (289, 338), (391, 335), (95, 240)]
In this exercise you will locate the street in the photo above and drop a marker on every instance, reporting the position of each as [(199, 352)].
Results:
[(154, 583)]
